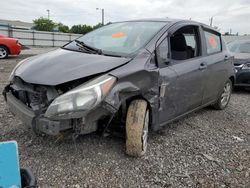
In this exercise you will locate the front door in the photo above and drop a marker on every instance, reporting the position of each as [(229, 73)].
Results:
[(182, 80)]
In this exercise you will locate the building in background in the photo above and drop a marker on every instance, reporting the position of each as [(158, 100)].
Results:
[(16, 24)]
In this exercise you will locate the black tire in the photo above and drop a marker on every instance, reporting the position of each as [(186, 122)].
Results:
[(4, 52), (137, 125), (224, 97)]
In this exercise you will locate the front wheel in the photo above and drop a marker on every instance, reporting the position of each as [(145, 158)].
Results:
[(137, 125), (224, 97), (3, 52)]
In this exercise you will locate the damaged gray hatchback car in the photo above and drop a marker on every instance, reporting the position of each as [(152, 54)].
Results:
[(130, 76)]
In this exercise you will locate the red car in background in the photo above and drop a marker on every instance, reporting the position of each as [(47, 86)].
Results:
[(9, 46)]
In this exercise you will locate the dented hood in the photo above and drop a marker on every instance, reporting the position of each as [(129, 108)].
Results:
[(60, 66)]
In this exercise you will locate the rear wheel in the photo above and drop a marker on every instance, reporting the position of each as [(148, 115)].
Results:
[(224, 97), (3, 52), (137, 125)]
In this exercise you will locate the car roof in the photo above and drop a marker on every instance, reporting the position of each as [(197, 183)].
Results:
[(172, 21), (158, 19)]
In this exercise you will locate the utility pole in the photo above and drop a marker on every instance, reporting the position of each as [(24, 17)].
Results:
[(211, 21), (102, 9), (48, 13), (102, 16)]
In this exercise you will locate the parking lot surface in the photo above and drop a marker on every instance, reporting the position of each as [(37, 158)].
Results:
[(208, 148)]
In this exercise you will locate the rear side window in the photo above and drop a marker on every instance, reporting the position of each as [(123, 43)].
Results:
[(213, 42)]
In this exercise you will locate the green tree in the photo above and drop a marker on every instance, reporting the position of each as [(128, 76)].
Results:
[(63, 28), (81, 29), (97, 26), (43, 24)]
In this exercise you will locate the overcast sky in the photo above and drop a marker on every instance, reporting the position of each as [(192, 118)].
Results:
[(234, 14)]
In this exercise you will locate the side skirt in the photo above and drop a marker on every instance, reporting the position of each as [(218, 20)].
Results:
[(155, 128)]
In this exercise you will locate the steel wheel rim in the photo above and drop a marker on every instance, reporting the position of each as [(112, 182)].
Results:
[(225, 96), (145, 132), (3, 52)]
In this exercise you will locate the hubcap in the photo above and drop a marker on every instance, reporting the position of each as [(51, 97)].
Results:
[(3, 53), (145, 132), (225, 96)]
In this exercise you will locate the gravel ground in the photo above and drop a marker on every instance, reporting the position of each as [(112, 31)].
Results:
[(208, 148)]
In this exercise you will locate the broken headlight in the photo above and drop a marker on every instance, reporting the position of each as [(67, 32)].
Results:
[(80, 99)]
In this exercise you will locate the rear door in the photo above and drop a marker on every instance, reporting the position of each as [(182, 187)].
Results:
[(183, 78), (217, 61)]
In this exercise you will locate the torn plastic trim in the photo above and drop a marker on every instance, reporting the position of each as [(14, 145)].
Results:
[(125, 91), (121, 92)]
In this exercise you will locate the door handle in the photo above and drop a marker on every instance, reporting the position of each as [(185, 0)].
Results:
[(226, 57), (203, 66)]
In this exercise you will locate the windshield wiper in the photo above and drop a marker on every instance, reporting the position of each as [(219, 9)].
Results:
[(88, 48)]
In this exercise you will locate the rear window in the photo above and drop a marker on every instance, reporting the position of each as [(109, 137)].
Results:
[(213, 42)]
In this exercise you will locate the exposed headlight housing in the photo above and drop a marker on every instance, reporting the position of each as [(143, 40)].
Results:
[(81, 99), (246, 66)]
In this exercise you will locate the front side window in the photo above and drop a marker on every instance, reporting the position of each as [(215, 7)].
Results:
[(213, 42), (185, 43), (122, 38)]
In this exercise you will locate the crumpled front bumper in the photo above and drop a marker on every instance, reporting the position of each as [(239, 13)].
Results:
[(37, 123)]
